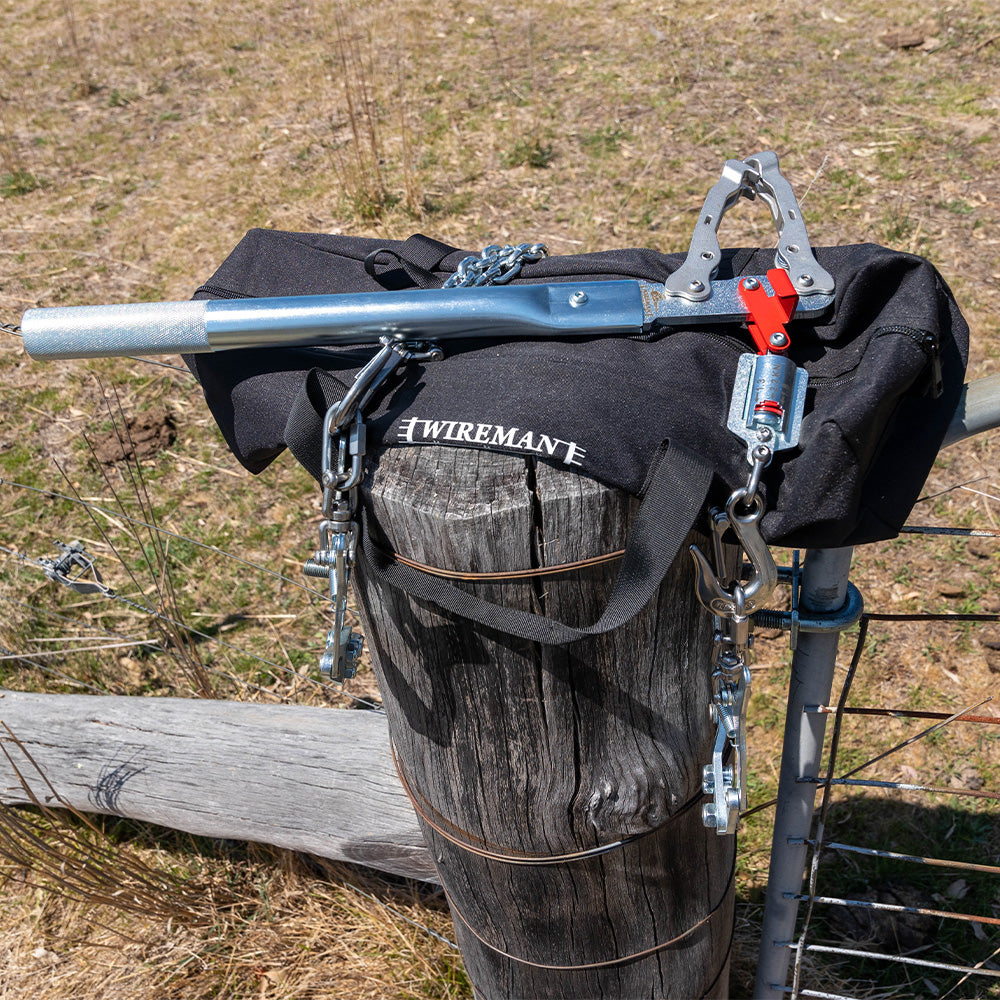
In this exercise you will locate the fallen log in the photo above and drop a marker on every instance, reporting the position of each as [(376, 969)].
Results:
[(309, 779)]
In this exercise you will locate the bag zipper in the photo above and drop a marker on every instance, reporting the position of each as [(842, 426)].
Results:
[(928, 343), (218, 292)]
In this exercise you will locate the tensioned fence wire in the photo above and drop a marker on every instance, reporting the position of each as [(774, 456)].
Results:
[(149, 602), (823, 851)]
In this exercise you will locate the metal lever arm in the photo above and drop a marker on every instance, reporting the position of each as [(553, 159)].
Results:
[(570, 309), (693, 279), (758, 175), (794, 252)]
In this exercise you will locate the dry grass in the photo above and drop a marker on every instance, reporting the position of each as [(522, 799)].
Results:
[(292, 929), (139, 141)]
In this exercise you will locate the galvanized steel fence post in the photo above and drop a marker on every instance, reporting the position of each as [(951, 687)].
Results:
[(824, 588)]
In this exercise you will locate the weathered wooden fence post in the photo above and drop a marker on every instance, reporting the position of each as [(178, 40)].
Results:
[(530, 752)]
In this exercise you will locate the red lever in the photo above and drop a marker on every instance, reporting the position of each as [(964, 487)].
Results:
[(768, 314)]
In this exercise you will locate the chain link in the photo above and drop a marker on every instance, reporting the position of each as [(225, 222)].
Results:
[(496, 265), (344, 444)]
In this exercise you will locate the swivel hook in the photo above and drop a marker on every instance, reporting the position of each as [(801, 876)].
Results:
[(763, 570)]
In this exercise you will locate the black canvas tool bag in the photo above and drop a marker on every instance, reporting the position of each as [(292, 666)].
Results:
[(646, 415)]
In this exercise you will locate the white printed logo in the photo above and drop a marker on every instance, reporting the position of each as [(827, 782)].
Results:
[(415, 430)]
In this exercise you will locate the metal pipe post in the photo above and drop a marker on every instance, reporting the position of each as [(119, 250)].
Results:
[(824, 588)]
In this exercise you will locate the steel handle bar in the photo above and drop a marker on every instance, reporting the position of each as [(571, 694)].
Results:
[(596, 308), (564, 309)]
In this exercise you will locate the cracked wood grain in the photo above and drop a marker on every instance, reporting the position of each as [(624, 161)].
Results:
[(546, 750), (309, 779)]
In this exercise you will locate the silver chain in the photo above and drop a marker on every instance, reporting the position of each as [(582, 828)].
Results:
[(496, 265), (344, 438), (344, 434)]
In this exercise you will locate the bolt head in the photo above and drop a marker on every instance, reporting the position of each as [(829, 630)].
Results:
[(578, 299), (696, 286), (764, 434), (708, 816), (708, 779), (778, 339), (750, 284), (805, 280)]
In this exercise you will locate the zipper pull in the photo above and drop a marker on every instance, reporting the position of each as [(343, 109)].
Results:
[(933, 350)]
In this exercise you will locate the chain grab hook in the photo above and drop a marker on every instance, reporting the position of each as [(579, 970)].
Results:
[(744, 510)]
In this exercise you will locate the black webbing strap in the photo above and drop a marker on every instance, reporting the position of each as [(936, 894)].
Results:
[(417, 259), (675, 493), (304, 426), (674, 496)]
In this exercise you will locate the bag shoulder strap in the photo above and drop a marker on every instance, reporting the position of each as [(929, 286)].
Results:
[(675, 494), (417, 258)]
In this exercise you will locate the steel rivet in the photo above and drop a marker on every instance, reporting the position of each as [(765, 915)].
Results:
[(805, 280), (696, 285), (778, 339), (750, 284), (578, 299)]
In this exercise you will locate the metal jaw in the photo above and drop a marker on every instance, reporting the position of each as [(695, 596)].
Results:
[(757, 176)]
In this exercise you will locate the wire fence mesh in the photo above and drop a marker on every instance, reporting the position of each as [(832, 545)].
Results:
[(882, 897)]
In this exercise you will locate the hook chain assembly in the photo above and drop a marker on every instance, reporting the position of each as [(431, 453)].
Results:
[(766, 413), (731, 602), (344, 438), (344, 442)]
